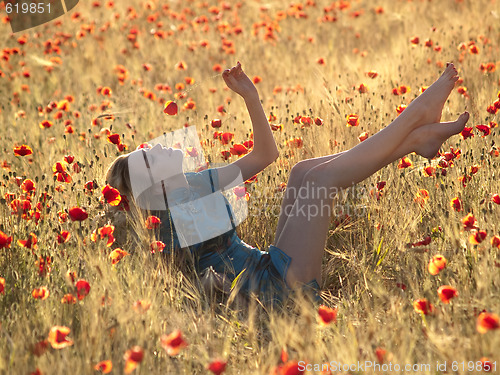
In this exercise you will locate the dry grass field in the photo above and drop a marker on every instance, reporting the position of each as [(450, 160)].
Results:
[(314, 62)]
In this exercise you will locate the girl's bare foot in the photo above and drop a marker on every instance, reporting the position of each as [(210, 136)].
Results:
[(427, 108), (430, 137)]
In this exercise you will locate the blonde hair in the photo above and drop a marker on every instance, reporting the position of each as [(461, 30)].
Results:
[(128, 224)]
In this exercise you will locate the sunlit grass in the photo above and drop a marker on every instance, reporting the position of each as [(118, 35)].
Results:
[(370, 273)]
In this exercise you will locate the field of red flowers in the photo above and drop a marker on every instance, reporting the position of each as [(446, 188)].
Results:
[(411, 279)]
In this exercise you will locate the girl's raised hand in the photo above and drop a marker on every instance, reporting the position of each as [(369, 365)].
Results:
[(238, 81)]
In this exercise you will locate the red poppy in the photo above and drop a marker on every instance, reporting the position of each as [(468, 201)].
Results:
[(114, 138), (473, 50), (352, 120), (89, 186), (238, 149), (40, 293), (78, 214), (190, 104), (23, 150), (30, 243), (446, 293), (288, 368), (363, 136), (436, 264), (5, 240), (495, 198), (216, 123), (2, 285), (306, 121), (170, 108), (477, 236), (57, 337), (59, 167), (226, 137), (153, 222), (469, 222), (456, 204), (82, 289), (487, 322), (400, 108), (132, 358), (77, 168), (400, 90), (68, 299), (181, 65), (62, 216), (422, 306), (421, 197), (486, 364), (217, 366), (46, 124), (295, 143), (321, 61), (256, 79), (363, 89), (485, 129), (429, 171), (248, 144), (372, 74), (104, 367), (124, 204), (43, 265), (225, 155), (415, 40), (156, 246), (495, 241), (327, 315), (381, 185), (380, 353), (404, 163), (173, 343), (111, 195), (105, 231), (467, 132), (64, 177), (427, 240), (117, 255), (318, 121)]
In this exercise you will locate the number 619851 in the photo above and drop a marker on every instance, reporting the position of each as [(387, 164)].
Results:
[(27, 8)]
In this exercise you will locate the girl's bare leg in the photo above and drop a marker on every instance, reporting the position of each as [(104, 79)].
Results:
[(431, 114), (304, 233), (294, 184)]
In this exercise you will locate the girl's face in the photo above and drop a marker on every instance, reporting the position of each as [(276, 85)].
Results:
[(148, 167)]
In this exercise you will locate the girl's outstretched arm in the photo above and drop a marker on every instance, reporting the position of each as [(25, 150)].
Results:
[(239, 82), (264, 150)]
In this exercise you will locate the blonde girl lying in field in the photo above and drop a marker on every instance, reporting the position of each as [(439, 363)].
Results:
[(190, 205)]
